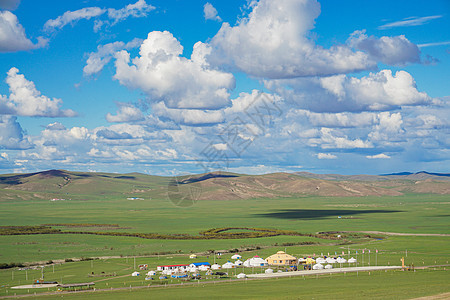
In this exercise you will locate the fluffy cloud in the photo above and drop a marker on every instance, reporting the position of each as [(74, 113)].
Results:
[(376, 92), (97, 60), (12, 135), (210, 12), (71, 17), (12, 35), (332, 139), (55, 126), (162, 73), (126, 113), (273, 42), (26, 100), (396, 50)]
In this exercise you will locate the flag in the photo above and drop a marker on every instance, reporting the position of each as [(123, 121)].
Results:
[(342, 252), (369, 251), (314, 255), (335, 253), (356, 252), (376, 250), (328, 253), (363, 251), (321, 254)]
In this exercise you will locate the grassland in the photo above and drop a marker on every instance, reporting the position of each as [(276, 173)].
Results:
[(100, 202)]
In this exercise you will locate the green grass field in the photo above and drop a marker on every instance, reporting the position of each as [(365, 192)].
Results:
[(414, 213)]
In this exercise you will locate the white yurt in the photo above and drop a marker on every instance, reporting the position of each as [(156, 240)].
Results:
[(329, 266), (236, 256), (135, 274), (193, 269), (241, 275), (352, 260), (228, 265), (318, 267), (331, 260), (341, 260), (151, 273), (320, 260), (204, 268), (268, 271), (255, 261), (238, 262), (215, 267), (192, 256)]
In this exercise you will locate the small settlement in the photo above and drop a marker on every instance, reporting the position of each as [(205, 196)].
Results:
[(280, 261)]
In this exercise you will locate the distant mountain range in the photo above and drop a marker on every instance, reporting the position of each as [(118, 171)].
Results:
[(217, 185)]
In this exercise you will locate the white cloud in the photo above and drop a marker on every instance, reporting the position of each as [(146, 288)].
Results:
[(397, 50), (55, 126), (389, 127), (12, 35), (137, 10), (97, 60), (378, 156), (210, 12), (162, 73), (433, 44), (126, 113), (328, 140), (25, 100), (326, 156), (12, 135), (412, 21), (190, 117), (376, 92), (71, 17), (273, 42)]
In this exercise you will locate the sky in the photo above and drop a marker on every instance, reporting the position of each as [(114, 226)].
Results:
[(169, 87)]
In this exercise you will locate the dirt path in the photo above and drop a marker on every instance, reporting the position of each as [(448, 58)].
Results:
[(434, 297), (398, 233)]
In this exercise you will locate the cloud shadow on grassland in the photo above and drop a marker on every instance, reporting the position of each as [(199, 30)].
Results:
[(319, 213)]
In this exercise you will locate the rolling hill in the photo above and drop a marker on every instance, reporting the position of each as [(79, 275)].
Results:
[(217, 185)]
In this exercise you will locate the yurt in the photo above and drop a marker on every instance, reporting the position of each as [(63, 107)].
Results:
[(318, 267), (268, 271), (255, 261), (216, 267), (193, 269), (310, 261), (238, 262), (204, 268), (341, 260), (151, 273), (352, 260), (331, 260), (329, 266), (320, 260), (241, 275), (228, 265), (236, 256), (192, 256), (135, 274)]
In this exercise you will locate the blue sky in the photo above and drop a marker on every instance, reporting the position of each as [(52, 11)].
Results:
[(175, 87)]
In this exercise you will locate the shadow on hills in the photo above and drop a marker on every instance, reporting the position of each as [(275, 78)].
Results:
[(320, 213), (205, 177), (125, 177)]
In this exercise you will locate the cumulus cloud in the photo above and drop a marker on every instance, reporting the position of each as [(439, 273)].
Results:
[(380, 91), (378, 156), (397, 50), (326, 156), (12, 134), (412, 21), (97, 60), (113, 135), (25, 100), (210, 12), (126, 113), (332, 139), (13, 37), (163, 74), (273, 42), (55, 126)]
